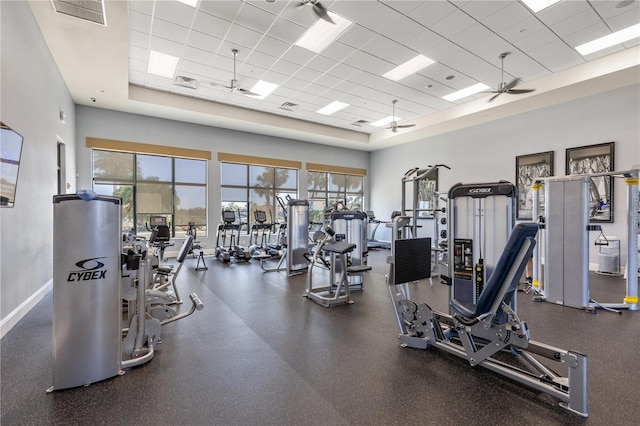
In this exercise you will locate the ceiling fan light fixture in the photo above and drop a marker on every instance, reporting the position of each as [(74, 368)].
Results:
[(410, 67), (609, 40), (162, 64), (322, 33), (537, 5), (463, 93), (332, 108), (262, 89)]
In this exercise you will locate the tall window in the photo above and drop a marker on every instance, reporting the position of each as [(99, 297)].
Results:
[(326, 189), (247, 187), (153, 185)]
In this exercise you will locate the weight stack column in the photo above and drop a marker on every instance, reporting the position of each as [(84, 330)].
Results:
[(87, 301)]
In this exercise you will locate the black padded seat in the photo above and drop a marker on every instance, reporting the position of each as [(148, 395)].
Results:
[(521, 232), (358, 268), (340, 247)]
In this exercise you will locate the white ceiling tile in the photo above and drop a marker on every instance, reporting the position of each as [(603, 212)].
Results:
[(425, 42), (136, 77), (285, 67), (361, 77), (452, 24), (254, 18), (375, 16), (143, 6), (175, 11), (243, 36), (167, 30), (587, 34), (479, 10), (166, 46), (471, 35), (506, 16), (430, 12), (138, 65), (196, 55), (139, 53), (342, 70), (275, 7), (403, 30), (286, 31), (337, 51), (490, 48), (522, 29), (394, 53), (443, 50), (536, 39), (346, 86), (298, 55), (307, 74), (328, 80), (576, 23), (139, 21), (137, 38), (224, 9), (562, 10), (403, 6), (211, 25), (317, 90), (357, 36), (272, 46), (372, 64), (321, 63), (203, 41), (625, 20)]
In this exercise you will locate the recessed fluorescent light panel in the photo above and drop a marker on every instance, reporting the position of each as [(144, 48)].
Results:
[(333, 107), (321, 34), (385, 121), (192, 3), (609, 40), (162, 64), (471, 90), (537, 5), (410, 67), (263, 89)]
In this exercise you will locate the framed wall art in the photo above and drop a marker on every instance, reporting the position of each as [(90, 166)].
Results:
[(529, 168), (594, 159)]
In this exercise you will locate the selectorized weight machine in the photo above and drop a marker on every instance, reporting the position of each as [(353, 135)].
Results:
[(566, 242)]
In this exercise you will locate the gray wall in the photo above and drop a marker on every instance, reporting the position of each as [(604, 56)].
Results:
[(33, 93), (486, 153), (100, 123)]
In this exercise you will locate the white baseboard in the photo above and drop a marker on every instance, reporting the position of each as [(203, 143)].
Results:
[(18, 313)]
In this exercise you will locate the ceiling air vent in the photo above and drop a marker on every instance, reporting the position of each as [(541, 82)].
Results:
[(359, 123), (183, 81), (289, 106), (89, 10)]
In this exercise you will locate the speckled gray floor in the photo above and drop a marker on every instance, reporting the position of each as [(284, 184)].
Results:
[(260, 354)]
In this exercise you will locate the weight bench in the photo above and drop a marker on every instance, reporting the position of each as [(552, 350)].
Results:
[(478, 332), (335, 293)]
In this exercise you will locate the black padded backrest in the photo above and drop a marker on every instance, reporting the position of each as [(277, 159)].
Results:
[(519, 235), (260, 216), (164, 234), (185, 249)]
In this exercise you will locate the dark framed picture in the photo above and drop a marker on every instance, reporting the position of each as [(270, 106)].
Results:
[(594, 159), (10, 153), (529, 168), (427, 188)]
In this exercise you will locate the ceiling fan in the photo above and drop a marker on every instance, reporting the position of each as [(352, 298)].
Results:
[(234, 83), (318, 8), (394, 126), (507, 88)]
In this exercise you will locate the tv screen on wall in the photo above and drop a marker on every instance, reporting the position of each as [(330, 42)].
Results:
[(10, 151)]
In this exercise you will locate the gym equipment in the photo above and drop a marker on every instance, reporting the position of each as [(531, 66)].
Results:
[(297, 239), (197, 248), (259, 236), (161, 235), (89, 289), (336, 292), (224, 253), (481, 331), (566, 248), (86, 275), (373, 243), (165, 275), (481, 216), (351, 227)]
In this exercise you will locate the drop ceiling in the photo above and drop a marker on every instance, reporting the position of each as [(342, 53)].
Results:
[(106, 66)]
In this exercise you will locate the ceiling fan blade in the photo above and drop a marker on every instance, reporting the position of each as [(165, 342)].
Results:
[(247, 92), (321, 11), (520, 91), (494, 96), (404, 126), (513, 83)]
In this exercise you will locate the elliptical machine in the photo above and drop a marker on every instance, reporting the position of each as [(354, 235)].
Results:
[(224, 253)]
